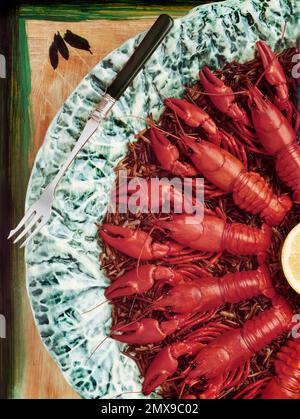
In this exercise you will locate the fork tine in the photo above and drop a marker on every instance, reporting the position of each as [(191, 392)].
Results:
[(42, 223), (27, 215), (35, 218)]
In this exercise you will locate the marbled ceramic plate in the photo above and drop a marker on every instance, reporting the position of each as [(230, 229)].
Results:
[(63, 275)]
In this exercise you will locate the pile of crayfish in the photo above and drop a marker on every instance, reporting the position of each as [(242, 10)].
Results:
[(204, 307)]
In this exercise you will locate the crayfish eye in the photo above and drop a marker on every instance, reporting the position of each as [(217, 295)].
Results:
[(190, 150), (197, 140), (167, 230)]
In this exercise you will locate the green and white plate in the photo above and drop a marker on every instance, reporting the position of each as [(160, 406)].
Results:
[(64, 279)]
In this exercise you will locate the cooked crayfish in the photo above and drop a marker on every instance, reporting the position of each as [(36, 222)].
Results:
[(277, 137), (168, 155), (250, 190), (198, 297), (275, 76), (207, 234), (205, 347), (226, 353), (202, 292), (223, 97), (286, 382), (195, 117), (273, 129), (208, 293), (149, 330)]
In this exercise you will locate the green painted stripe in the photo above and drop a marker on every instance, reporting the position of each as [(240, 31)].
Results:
[(114, 11), (5, 278), (20, 145)]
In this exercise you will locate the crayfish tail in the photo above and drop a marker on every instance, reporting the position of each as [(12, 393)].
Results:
[(286, 383), (241, 239), (288, 168)]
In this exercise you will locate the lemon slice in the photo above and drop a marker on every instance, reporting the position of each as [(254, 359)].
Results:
[(290, 258)]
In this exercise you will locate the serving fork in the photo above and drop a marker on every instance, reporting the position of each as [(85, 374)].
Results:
[(39, 213)]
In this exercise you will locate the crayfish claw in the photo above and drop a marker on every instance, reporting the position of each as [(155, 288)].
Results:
[(112, 241), (141, 332), (222, 96), (137, 243), (266, 54), (162, 367), (134, 243), (208, 79), (191, 114), (273, 70), (117, 290), (127, 333), (177, 106), (121, 242), (136, 281), (168, 155)]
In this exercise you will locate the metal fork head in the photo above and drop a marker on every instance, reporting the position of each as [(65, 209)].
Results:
[(27, 215), (36, 217), (39, 226)]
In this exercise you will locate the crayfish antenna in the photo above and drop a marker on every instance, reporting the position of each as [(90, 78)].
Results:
[(96, 348), (162, 96), (239, 92), (153, 125), (252, 390), (117, 330), (94, 308), (182, 390)]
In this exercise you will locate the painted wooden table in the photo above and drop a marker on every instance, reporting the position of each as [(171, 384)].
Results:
[(36, 92)]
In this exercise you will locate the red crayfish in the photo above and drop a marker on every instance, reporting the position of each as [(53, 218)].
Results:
[(195, 117), (285, 383), (198, 289), (278, 138), (190, 296), (275, 76), (224, 354), (249, 189), (213, 234), (223, 97), (208, 234)]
